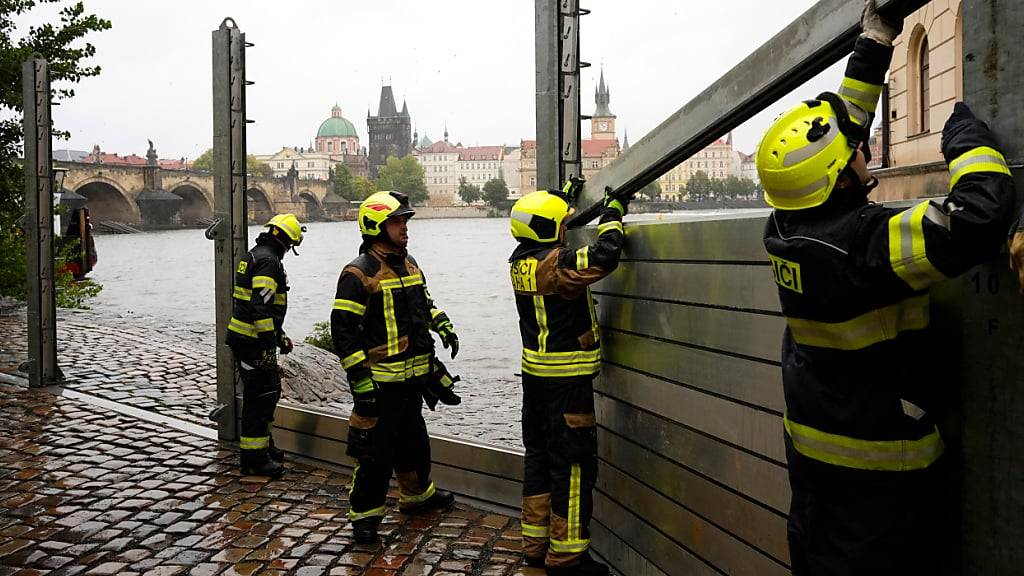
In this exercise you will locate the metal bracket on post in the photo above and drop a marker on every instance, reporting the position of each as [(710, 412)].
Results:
[(230, 229), (569, 90), (42, 300)]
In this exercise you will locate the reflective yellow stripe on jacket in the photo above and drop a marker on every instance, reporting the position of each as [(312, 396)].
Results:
[(883, 455), (981, 159), (390, 322), (864, 330), (908, 253), (402, 370), (349, 306), (861, 93), (561, 364), (251, 330)]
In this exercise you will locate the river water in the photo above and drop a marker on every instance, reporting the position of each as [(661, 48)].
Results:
[(170, 275)]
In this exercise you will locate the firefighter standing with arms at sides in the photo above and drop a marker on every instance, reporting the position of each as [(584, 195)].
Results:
[(380, 326), (561, 356), (255, 333), (861, 375)]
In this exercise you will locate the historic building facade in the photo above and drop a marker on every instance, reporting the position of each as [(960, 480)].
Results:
[(440, 161), (925, 80), (390, 131)]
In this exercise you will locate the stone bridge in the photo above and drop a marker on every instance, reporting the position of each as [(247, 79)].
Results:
[(118, 193)]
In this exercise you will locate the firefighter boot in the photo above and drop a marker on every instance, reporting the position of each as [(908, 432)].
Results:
[(258, 463), (585, 566), (364, 530), (276, 454), (439, 500)]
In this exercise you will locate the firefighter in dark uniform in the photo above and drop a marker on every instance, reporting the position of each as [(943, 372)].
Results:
[(380, 326), (255, 333), (561, 356), (861, 374)]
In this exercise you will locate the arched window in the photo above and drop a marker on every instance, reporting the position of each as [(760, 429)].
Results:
[(918, 80), (925, 85)]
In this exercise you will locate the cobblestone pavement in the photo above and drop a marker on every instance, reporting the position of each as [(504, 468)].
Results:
[(171, 370), (88, 491)]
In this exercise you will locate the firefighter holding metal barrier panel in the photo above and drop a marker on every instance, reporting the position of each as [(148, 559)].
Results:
[(860, 371), (380, 325), (561, 356)]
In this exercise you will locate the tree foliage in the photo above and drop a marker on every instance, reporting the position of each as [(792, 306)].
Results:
[(321, 336), (363, 187), (495, 193), (404, 175), (699, 187), (343, 183), (468, 192), (61, 43), (254, 167), (651, 191)]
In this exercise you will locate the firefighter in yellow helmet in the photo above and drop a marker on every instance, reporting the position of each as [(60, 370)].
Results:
[(380, 325), (561, 356), (861, 377), (256, 333)]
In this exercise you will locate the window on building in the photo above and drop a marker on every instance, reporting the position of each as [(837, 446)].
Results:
[(925, 86), (330, 147), (918, 72)]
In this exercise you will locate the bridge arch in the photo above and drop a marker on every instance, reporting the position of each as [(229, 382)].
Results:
[(195, 206), (108, 201), (314, 208), (260, 208)]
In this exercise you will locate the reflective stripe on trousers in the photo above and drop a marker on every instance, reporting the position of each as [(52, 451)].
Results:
[(885, 455)]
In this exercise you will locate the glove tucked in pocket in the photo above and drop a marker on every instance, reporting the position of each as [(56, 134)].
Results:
[(360, 436), (580, 440)]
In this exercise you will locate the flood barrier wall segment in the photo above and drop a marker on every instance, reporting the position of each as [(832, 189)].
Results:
[(486, 473)]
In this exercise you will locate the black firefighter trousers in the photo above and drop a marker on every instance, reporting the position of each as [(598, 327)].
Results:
[(394, 440), (848, 522), (261, 390), (560, 438)]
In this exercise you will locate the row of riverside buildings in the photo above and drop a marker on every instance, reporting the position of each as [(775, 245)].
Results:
[(445, 164), (925, 80)]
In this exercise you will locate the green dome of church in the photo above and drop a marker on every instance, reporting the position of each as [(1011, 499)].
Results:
[(336, 126)]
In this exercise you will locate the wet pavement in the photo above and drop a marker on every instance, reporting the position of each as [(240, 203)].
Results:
[(89, 491)]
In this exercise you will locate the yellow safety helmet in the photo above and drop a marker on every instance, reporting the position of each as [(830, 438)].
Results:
[(538, 216), (380, 206), (290, 225), (803, 152)]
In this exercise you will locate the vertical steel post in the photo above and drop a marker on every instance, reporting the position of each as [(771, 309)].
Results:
[(229, 185), (42, 303), (549, 129), (991, 443), (569, 89)]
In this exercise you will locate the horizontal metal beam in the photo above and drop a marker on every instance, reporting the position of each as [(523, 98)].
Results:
[(817, 39)]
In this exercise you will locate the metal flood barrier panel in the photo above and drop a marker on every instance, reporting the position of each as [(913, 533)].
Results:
[(689, 404), (485, 473)]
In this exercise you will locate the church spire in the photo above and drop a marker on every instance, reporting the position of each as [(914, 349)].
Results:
[(603, 97)]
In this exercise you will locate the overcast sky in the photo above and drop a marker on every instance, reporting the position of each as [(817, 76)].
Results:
[(467, 63)]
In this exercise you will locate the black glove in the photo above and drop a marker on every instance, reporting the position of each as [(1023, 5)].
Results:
[(573, 187), (963, 132), (267, 359), (360, 436), (284, 343), (364, 396), (619, 203), (440, 385)]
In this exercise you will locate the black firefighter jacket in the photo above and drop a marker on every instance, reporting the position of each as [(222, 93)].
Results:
[(862, 378), (260, 299), (382, 317), (557, 320)]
